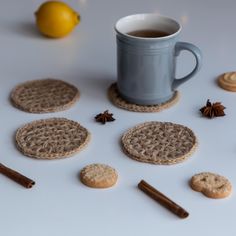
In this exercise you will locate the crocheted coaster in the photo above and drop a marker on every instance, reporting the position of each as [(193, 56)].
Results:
[(43, 96), (118, 101), (51, 138), (159, 143)]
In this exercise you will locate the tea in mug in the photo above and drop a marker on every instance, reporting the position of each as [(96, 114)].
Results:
[(146, 33)]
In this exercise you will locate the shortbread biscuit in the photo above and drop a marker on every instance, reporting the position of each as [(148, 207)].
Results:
[(45, 95), (211, 185), (98, 176), (51, 138), (227, 81), (159, 143), (117, 100)]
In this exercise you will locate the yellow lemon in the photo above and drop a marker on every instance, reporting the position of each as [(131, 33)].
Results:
[(56, 19)]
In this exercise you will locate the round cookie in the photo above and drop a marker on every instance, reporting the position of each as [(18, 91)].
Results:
[(98, 176), (227, 81), (51, 138), (45, 95), (211, 185), (117, 100), (159, 143)]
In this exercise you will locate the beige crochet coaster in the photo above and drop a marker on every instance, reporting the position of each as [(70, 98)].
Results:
[(51, 138), (118, 101), (45, 95), (162, 143)]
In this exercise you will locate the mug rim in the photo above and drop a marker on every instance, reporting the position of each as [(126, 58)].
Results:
[(149, 38)]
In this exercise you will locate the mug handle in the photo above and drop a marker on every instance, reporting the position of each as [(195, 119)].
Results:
[(198, 56)]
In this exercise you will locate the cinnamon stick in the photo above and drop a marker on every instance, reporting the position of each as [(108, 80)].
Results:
[(162, 199), (16, 176)]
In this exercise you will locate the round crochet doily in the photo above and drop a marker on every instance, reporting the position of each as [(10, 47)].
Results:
[(45, 95), (159, 143), (118, 101), (51, 138)]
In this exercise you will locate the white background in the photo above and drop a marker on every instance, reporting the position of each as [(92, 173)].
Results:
[(59, 204)]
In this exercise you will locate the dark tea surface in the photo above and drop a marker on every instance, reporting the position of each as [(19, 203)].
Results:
[(146, 33)]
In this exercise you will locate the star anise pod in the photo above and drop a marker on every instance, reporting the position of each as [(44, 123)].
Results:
[(104, 117), (212, 109)]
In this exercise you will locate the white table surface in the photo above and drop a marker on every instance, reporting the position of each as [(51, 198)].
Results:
[(59, 204)]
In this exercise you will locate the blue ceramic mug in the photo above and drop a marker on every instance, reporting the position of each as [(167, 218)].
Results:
[(146, 64)]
